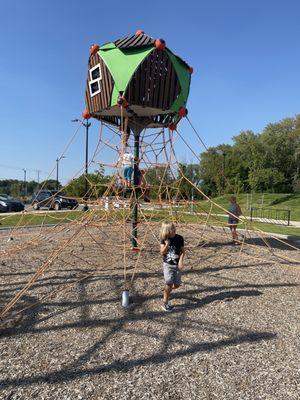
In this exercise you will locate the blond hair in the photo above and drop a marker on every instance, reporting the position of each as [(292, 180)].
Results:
[(167, 230)]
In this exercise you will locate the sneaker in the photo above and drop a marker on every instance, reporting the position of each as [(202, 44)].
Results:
[(167, 307)]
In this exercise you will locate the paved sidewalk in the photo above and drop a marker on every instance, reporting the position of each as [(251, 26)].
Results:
[(295, 224)]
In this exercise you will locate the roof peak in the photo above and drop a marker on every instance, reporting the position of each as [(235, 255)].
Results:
[(136, 40)]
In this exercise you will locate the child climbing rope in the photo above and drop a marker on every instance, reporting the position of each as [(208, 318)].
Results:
[(172, 250), (234, 211), (127, 163)]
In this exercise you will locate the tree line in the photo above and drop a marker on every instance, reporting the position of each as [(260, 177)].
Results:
[(261, 162), (20, 189), (255, 162)]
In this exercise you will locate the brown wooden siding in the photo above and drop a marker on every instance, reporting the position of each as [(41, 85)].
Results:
[(101, 100), (155, 83), (140, 41), (134, 41)]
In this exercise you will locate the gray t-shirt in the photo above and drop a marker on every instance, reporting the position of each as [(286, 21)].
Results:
[(234, 209)]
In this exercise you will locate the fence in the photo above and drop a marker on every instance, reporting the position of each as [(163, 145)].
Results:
[(271, 215)]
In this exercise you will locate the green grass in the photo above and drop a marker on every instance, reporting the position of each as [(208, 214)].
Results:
[(268, 200), (271, 228), (38, 219), (158, 215)]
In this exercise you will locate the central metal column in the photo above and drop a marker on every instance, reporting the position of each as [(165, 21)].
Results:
[(135, 184), (87, 125)]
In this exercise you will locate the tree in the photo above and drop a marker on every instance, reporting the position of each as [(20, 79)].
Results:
[(267, 161), (189, 178), (50, 184), (265, 179), (214, 171), (15, 189), (160, 179), (97, 184), (280, 141)]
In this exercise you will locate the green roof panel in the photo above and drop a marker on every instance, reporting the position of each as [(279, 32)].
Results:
[(184, 77), (122, 65), (108, 46)]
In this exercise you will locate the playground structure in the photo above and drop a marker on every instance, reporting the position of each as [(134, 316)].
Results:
[(137, 89), (136, 83)]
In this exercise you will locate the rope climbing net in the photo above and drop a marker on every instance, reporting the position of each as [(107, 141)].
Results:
[(160, 195)]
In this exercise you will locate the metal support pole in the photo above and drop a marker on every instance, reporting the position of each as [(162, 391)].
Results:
[(57, 161), (57, 165), (135, 184), (87, 125), (25, 184)]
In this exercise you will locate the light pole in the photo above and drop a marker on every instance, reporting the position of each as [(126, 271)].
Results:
[(86, 124), (224, 156), (223, 153), (25, 183), (38, 176), (57, 162), (297, 160), (192, 191)]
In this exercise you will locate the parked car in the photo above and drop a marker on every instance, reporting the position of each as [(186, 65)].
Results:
[(53, 200), (10, 204)]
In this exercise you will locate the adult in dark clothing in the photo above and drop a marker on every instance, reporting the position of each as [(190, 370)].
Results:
[(234, 212)]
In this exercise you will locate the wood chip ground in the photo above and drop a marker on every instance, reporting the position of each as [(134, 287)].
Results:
[(233, 333)]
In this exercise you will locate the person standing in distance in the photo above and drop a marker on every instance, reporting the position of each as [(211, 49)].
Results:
[(234, 212)]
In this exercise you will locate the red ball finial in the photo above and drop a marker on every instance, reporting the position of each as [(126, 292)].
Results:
[(172, 126), (121, 102), (94, 48), (182, 112), (139, 32), (160, 44), (191, 70), (86, 114)]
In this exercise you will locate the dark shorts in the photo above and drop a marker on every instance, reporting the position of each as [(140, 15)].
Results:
[(232, 221), (172, 274), (128, 173)]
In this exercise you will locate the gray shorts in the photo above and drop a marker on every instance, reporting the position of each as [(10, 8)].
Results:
[(172, 274)]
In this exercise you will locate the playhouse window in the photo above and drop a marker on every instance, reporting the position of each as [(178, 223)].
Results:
[(95, 78), (94, 88)]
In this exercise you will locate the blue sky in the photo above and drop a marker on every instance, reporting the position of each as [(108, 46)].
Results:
[(245, 55)]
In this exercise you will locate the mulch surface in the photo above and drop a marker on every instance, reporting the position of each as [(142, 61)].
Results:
[(233, 332)]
